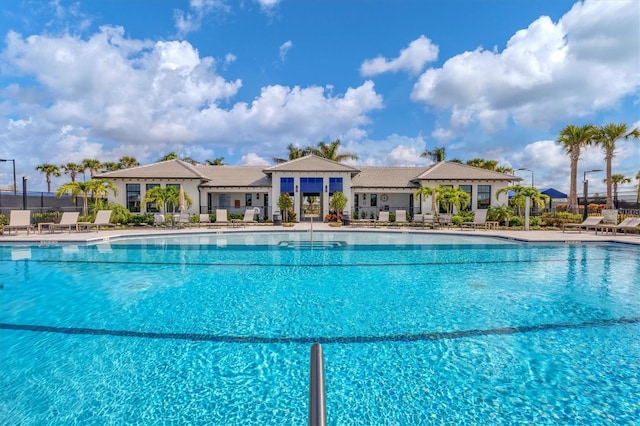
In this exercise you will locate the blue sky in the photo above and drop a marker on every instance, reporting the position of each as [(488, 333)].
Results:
[(244, 79)]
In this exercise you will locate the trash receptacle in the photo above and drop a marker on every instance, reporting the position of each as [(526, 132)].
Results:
[(277, 218), (346, 218)]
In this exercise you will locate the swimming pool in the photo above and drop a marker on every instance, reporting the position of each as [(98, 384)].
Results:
[(416, 329)]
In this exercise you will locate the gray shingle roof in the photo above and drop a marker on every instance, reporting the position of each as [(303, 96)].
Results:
[(445, 170), (387, 177), (226, 176), (311, 163), (170, 169)]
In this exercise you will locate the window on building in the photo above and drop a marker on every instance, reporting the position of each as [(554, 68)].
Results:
[(153, 206), (225, 200), (247, 200), (286, 185), (133, 197), (484, 196), (467, 189), (335, 185), (373, 200)]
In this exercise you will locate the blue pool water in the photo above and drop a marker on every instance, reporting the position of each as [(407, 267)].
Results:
[(416, 329)]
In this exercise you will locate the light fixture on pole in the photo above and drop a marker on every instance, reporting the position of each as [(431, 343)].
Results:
[(585, 189), (528, 170), (15, 190)]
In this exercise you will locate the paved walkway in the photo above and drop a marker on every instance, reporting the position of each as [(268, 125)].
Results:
[(109, 234)]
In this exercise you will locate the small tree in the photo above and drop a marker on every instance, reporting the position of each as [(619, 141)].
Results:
[(453, 197), (285, 202), (165, 195), (338, 202), (432, 192)]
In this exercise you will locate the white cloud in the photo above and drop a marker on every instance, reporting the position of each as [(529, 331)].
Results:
[(548, 72), (267, 5), (411, 59), (190, 21), (284, 49), (395, 150), (253, 159)]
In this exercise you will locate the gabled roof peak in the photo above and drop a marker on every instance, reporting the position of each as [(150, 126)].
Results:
[(311, 163)]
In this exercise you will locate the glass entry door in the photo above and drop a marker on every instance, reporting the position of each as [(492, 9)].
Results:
[(311, 206)]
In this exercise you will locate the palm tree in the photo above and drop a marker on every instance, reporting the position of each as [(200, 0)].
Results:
[(638, 187), (49, 170), (94, 186), (428, 191), (606, 137), (111, 166), (617, 179), (501, 213), (330, 151), (218, 161), (165, 195), (294, 154), (573, 139), (128, 162), (189, 160), (72, 169), (92, 165), (521, 193), (504, 169), (451, 197), (170, 156), (437, 155), (483, 164)]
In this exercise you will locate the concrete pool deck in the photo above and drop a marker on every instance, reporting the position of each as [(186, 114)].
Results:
[(111, 234)]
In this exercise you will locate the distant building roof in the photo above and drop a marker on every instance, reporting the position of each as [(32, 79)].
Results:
[(387, 177), (311, 163), (553, 193), (234, 176), (170, 169), (445, 170)]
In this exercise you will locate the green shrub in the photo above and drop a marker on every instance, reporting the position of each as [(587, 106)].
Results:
[(516, 221), (141, 219)]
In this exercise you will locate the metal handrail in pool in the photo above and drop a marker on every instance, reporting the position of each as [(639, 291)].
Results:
[(317, 407)]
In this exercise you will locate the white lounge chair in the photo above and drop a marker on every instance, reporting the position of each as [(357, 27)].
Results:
[(590, 222), (249, 217), (103, 218), (383, 218), (204, 219), (629, 224), (221, 217), (183, 219), (479, 219), (67, 221), (19, 219), (158, 219), (401, 217)]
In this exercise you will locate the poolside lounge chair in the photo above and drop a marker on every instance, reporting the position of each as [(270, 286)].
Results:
[(590, 222), (19, 219), (401, 217), (249, 217), (103, 218), (204, 219), (383, 218), (221, 217), (629, 224), (158, 219), (479, 219), (67, 221), (183, 219), (445, 220)]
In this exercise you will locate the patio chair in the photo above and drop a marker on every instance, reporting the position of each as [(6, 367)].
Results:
[(629, 224), (401, 217), (383, 218), (158, 219), (445, 220), (479, 219), (103, 218), (19, 219), (204, 219), (249, 217), (590, 222), (221, 217), (182, 219), (67, 221)]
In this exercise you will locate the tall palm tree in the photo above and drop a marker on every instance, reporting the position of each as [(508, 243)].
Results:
[(504, 169), (573, 139), (128, 162), (617, 179), (483, 164), (72, 169), (294, 154), (170, 156), (111, 166), (428, 191), (49, 170), (330, 151), (92, 165), (436, 155), (606, 137), (218, 161), (94, 186)]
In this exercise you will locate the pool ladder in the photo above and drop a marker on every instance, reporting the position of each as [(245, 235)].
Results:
[(317, 406)]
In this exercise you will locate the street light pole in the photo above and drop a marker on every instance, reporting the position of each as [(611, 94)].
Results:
[(15, 189), (528, 170), (585, 188)]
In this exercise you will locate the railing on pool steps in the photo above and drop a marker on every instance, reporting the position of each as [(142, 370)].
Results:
[(317, 407)]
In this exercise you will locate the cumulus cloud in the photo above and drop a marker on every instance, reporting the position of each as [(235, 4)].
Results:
[(547, 72), (108, 91), (284, 49), (191, 20), (411, 59), (394, 150)]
